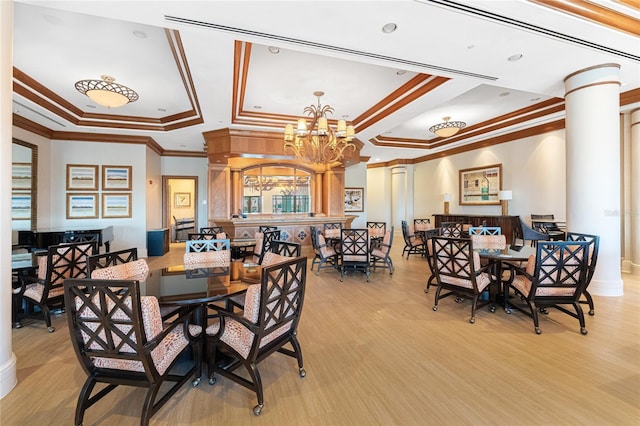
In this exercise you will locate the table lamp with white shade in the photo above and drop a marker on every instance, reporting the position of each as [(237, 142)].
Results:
[(504, 197)]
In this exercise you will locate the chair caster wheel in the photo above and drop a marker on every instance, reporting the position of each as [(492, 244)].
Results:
[(212, 381), (435, 308), (472, 320), (51, 329), (302, 372), (257, 409), (583, 330), (538, 331), (591, 312), (492, 309), (195, 382), (508, 311)]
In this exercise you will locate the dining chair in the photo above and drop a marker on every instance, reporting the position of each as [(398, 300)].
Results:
[(120, 339), (451, 229), (594, 244), (219, 257), (324, 254), (111, 258), (263, 244), (523, 233), (377, 229), (331, 231), (382, 252), (420, 225), (213, 244), (80, 237), (286, 248), (213, 230), (554, 278), (60, 262), (413, 244), (268, 324), (264, 228), (135, 270), (458, 271), (485, 230), (354, 251)]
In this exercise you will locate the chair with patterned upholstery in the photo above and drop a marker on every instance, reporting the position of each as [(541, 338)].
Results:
[(111, 258), (286, 248), (60, 262), (119, 339), (555, 277), (377, 229), (413, 244), (594, 244), (268, 324), (137, 270), (331, 232), (355, 251), (451, 229), (216, 257), (324, 254), (458, 271), (211, 230), (214, 244), (421, 225), (263, 244), (382, 252)]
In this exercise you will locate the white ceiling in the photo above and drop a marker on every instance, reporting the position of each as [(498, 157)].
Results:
[(186, 78)]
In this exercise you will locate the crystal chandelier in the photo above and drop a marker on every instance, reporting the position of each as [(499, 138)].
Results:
[(318, 143)]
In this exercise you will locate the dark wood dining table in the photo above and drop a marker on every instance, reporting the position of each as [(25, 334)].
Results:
[(499, 257)]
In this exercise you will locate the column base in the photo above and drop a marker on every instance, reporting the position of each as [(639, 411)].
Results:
[(8, 378), (606, 288)]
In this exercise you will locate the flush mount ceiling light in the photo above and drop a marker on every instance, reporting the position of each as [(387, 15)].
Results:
[(447, 128), (106, 92)]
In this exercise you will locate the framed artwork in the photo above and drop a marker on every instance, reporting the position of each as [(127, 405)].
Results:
[(354, 199), (116, 205), (116, 178), (182, 199), (82, 177), (82, 205), (480, 185), (20, 206), (21, 176)]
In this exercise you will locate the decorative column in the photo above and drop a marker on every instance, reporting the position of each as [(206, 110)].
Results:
[(635, 192), (333, 192), (592, 104), (219, 192), (7, 358)]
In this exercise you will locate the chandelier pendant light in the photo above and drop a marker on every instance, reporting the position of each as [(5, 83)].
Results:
[(106, 92), (447, 128), (317, 142)]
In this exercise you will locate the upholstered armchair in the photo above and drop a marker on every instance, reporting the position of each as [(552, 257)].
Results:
[(323, 253), (119, 339), (263, 243), (382, 252), (268, 324), (135, 270), (61, 262), (331, 231), (594, 244), (554, 278), (413, 244), (459, 273), (111, 258), (377, 229), (451, 229), (485, 230), (285, 248)]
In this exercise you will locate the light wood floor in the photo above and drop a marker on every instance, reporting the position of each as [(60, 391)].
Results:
[(377, 354)]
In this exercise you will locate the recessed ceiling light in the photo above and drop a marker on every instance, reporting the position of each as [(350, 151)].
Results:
[(401, 72), (183, 146), (53, 20), (274, 50), (503, 94), (535, 99), (515, 57), (90, 106), (471, 46), (345, 116), (140, 34), (257, 107), (389, 28), (162, 110)]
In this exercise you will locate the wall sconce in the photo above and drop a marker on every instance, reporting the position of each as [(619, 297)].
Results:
[(504, 197), (446, 197)]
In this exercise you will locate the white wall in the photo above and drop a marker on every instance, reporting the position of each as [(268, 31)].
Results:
[(153, 184), (128, 232)]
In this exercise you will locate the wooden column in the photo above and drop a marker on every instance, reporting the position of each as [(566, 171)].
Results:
[(236, 191), (333, 192)]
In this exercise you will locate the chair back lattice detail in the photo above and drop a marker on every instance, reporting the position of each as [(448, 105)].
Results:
[(286, 248), (451, 229), (421, 224), (211, 230), (214, 244), (332, 230), (119, 339), (112, 258), (377, 229), (265, 228), (485, 230), (355, 250), (592, 260), (557, 276), (80, 237)]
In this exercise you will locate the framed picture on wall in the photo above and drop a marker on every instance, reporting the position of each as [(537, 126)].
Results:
[(354, 199), (82, 205), (20, 206), (21, 176), (116, 178), (480, 185), (82, 177), (182, 199), (116, 205)]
